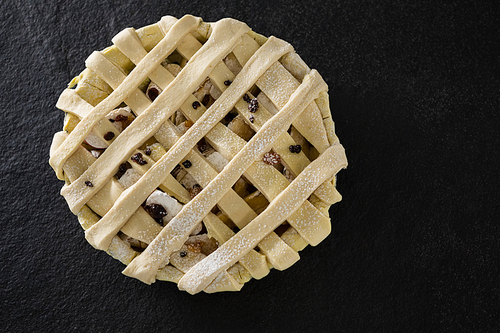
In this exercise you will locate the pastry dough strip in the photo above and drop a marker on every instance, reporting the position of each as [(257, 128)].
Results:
[(128, 42), (161, 50), (148, 123), (101, 233), (241, 212), (279, 84), (175, 233), (325, 166), (269, 181)]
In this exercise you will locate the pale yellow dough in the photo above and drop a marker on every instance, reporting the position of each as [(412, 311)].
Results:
[(289, 94)]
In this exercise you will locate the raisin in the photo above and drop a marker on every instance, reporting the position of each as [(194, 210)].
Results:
[(137, 158), (271, 158), (195, 190), (156, 211), (153, 93), (253, 106), (108, 136), (295, 149), (121, 170)]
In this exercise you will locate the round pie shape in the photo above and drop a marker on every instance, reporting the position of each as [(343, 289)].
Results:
[(198, 153)]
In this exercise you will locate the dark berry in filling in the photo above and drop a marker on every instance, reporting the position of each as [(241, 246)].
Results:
[(183, 254), (246, 98), (187, 164), (108, 136), (271, 158), (252, 118), (156, 211), (196, 105), (253, 106), (227, 82), (153, 93), (137, 158), (147, 151), (295, 149), (121, 170), (89, 183)]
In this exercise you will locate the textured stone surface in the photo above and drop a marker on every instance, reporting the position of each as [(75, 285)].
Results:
[(415, 243)]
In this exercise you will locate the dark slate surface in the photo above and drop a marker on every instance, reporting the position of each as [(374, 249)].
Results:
[(415, 243)]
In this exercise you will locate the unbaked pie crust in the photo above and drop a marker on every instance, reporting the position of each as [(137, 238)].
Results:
[(199, 153)]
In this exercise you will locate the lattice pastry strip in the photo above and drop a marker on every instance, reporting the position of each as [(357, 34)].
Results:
[(298, 191), (71, 102), (165, 47), (233, 206), (236, 61)]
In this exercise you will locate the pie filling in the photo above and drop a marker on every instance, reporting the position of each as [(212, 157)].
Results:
[(178, 179)]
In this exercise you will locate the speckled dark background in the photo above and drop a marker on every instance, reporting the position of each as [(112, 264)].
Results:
[(415, 242)]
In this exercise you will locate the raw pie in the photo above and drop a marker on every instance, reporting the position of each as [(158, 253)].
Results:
[(198, 153)]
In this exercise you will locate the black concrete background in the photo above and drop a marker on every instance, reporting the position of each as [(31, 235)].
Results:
[(415, 243)]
